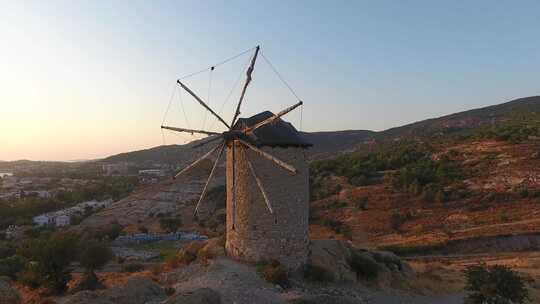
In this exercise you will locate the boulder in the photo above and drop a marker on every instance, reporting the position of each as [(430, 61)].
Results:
[(137, 290), (8, 294), (86, 297), (392, 262), (198, 296), (332, 255), (325, 299)]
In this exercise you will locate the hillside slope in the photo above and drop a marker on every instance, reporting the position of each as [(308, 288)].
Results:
[(471, 119), (328, 143), (324, 143)]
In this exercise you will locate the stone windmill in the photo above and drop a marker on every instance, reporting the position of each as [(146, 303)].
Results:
[(267, 183)]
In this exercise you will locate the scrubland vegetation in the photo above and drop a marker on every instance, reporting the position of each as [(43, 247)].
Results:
[(20, 211), (494, 284), (409, 166), (46, 260)]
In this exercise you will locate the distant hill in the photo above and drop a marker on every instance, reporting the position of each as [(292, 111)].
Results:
[(323, 143), (457, 122), (328, 143)]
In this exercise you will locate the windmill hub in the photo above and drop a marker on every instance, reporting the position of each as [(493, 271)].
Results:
[(229, 136)]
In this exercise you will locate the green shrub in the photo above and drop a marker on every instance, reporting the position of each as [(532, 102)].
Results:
[(397, 219), (30, 276), (171, 224), (494, 284), (132, 267), (11, 266), (361, 203), (315, 273), (273, 272), (364, 266), (523, 192), (94, 254), (50, 258), (335, 225), (186, 257), (6, 250)]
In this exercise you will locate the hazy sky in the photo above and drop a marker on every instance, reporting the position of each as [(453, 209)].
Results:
[(86, 79)]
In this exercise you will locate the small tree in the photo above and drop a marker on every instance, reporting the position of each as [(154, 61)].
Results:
[(494, 285), (171, 224), (49, 259), (93, 256)]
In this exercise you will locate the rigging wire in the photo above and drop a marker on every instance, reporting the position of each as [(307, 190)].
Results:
[(280, 77), (231, 92), (183, 108), (170, 102), (208, 96), (217, 64), (301, 116), (162, 136)]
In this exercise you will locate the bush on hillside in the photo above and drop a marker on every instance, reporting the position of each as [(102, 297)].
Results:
[(364, 266), (11, 266), (494, 284), (171, 224), (273, 272), (93, 255), (132, 267), (315, 273), (50, 258)]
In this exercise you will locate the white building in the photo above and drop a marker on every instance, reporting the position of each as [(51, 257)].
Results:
[(42, 220), (62, 220)]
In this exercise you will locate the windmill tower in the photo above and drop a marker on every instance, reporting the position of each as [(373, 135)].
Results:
[(267, 183)]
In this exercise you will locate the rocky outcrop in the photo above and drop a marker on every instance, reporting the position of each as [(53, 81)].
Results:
[(332, 255), (198, 296), (335, 257), (8, 295), (137, 290), (87, 297), (325, 299)]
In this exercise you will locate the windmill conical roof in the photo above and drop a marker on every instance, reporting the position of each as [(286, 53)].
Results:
[(277, 134)]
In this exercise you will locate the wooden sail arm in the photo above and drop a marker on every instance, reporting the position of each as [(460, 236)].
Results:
[(190, 130), (195, 163), (202, 103), (270, 157), (222, 147), (272, 119), (207, 141), (259, 183), (248, 81)]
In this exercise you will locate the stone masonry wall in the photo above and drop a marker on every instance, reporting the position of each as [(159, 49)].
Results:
[(257, 234)]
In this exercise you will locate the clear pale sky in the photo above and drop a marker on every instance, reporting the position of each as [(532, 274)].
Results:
[(87, 79)]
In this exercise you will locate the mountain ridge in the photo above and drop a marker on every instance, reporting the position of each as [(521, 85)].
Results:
[(327, 143)]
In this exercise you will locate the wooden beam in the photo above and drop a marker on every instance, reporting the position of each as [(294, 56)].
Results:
[(195, 163), (233, 185), (202, 103), (273, 118), (248, 80), (207, 141), (270, 157), (259, 183), (190, 130), (210, 177)]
